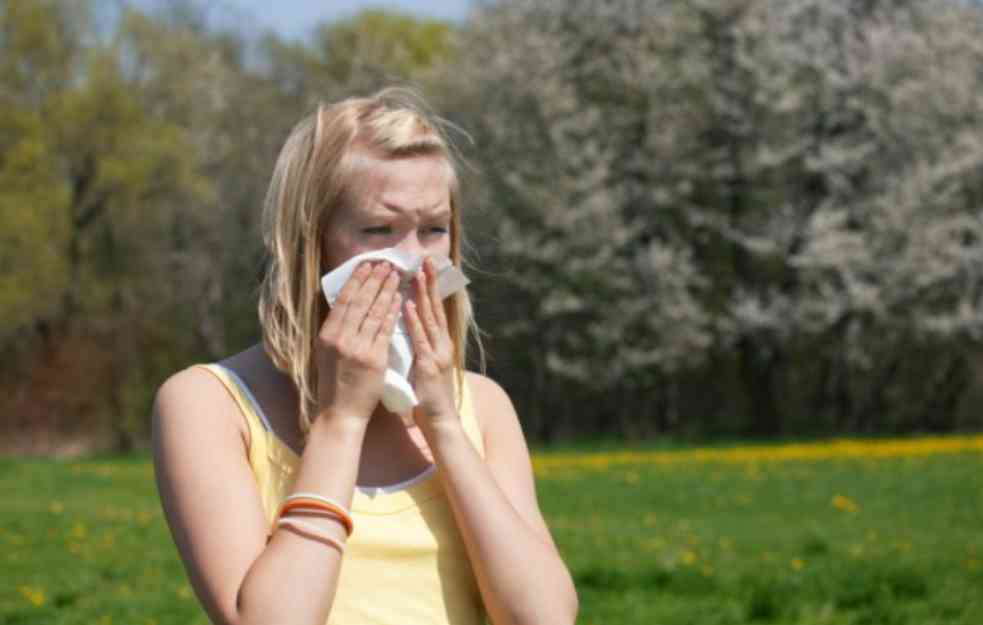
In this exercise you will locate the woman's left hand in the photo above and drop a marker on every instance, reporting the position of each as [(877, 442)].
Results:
[(433, 364)]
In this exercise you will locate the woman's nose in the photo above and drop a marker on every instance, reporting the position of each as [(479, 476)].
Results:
[(411, 244)]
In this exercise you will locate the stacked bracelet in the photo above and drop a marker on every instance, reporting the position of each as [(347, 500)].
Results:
[(311, 530), (314, 501), (308, 501)]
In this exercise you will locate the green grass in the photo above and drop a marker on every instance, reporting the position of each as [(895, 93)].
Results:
[(668, 544)]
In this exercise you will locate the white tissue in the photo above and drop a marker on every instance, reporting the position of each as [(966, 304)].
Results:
[(397, 394)]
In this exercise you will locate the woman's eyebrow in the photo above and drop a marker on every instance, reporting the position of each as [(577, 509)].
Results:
[(440, 209)]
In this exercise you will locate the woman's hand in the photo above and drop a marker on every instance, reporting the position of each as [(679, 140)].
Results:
[(433, 364), (353, 345)]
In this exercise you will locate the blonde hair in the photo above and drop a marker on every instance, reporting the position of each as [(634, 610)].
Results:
[(316, 172)]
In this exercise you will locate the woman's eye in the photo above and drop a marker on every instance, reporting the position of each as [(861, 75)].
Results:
[(377, 230), (436, 230)]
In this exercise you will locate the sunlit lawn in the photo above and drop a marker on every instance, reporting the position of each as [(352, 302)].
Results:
[(879, 535)]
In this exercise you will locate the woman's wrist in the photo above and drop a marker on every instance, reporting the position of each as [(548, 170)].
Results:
[(437, 431), (333, 424)]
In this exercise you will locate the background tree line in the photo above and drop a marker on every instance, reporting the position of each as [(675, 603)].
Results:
[(701, 218)]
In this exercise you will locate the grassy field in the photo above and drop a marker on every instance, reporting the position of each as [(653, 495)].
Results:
[(885, 532)]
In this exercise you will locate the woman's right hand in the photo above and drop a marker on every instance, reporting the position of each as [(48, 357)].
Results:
[(352, 348)]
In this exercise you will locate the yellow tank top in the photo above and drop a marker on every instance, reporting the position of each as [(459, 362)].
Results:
[(405, 563)]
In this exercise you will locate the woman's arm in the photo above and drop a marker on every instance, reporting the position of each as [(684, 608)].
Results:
[(520, 574), (213, 508), (209, 493)]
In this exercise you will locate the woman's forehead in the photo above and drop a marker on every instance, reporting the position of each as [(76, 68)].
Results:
[(418, 185)]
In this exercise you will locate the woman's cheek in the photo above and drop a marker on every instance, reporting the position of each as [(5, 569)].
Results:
[(441, 247)]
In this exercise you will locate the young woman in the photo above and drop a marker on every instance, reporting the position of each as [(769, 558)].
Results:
[(292, 494)]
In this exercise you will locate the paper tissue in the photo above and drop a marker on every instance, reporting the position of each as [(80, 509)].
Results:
[(397, 395)]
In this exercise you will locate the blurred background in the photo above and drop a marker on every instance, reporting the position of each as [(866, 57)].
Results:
[(690, 220)]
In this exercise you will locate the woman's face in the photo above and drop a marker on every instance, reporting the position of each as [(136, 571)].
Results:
[(403, 203)]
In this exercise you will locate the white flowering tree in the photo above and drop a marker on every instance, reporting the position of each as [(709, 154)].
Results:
[(778, 202)]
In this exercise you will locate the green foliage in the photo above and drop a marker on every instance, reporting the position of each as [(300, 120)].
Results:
[(39, 46), (33, 221), (370, 50), (402, 45), (711, 218)]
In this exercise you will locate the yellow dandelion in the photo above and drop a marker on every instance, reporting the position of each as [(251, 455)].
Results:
[(56, 507), (32, 594), (798, 564), (841, 502), (689, 557), (79, 531)]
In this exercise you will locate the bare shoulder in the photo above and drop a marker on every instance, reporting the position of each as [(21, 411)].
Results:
[(193, 400), (191, 386), (490, 400), (483, 384), (496, 416)]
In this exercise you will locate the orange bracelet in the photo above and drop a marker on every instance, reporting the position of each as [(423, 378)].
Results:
[(337, 511)]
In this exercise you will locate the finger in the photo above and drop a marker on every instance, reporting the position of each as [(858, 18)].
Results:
[(425, 308), (385, 334), (337, 313), (365, 296), (438, 304), (421, 344), (377, 312)]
